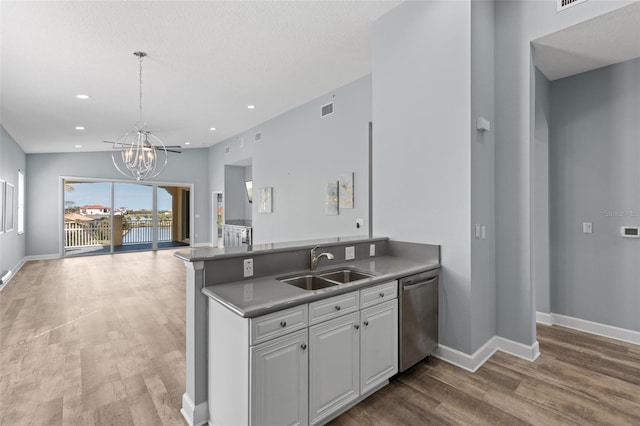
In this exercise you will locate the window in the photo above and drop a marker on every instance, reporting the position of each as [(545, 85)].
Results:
[(20, 202)]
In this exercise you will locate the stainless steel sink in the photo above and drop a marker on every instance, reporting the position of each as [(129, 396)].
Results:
[(308, 282), (345, 276), (324, 279)]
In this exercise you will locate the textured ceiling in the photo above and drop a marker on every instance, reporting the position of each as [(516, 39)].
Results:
[(605, 40), (207, 60)]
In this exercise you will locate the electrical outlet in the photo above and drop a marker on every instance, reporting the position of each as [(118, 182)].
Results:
[(372, 249), (359, 223), (248, 268), (349, 253)]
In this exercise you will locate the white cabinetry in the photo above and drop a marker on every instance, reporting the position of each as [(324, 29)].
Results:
[(258, 368), (378, 344), (302, 365), (279, 390), (334, 358)]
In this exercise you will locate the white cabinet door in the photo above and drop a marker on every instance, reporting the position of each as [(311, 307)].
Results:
[(334, 355), (279, 384), (378, 344)]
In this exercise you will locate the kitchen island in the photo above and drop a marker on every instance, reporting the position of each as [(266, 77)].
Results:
[(264, 338)]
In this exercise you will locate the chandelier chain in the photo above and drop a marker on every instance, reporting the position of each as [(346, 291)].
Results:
[(138, 153), (140, 83)]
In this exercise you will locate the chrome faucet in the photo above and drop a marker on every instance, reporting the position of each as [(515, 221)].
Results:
[(316, 258)]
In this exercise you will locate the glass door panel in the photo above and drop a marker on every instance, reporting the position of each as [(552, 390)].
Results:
[(133, 217), (173, 216), (87, 217)]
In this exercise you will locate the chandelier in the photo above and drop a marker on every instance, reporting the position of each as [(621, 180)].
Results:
[(138, 153)]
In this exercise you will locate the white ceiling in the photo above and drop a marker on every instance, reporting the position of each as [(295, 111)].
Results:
[(605, 40), (207, 61)]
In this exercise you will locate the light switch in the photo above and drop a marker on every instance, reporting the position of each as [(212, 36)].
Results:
[(484, 232), (587, 228), (477, 231)]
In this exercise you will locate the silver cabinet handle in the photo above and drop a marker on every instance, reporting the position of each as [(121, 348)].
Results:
[(337, 307), (366, 322), (303, 346), (357, 326), (381, 294), (283, 323)]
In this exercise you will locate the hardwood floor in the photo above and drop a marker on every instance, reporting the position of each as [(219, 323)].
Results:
[(95, 340), (99, 340), (580, 379)]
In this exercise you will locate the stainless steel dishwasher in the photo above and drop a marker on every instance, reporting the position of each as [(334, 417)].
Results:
[(418, 317)]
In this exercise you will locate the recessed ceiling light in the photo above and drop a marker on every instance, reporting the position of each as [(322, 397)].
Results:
[(212, 128), (251, 107), (82, 96), (78, 146), (187, 143), (79, 127)]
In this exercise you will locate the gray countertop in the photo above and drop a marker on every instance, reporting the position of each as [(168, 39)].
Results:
[(254, 297), (207, 253)]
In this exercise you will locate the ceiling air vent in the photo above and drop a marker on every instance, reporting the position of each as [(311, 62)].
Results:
[(327, 109), (258, 137), (565, 4), (227, 149)]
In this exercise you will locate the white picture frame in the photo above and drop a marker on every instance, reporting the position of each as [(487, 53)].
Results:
[(345, 191), (2, 202), (9, 197), (331, 201), (266, 200)]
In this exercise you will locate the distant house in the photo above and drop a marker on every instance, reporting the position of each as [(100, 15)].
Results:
[(94, 210)]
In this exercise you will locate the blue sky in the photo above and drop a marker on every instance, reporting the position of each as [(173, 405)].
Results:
[(133, 196)]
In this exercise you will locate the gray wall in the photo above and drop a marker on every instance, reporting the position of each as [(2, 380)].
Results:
[(421, 144), (540, 183), (594, 154), (517, 23), (300, 152), (12, 159), (44, 192), (483, 198), (236, 202)]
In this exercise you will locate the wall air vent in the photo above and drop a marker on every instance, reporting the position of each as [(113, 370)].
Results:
[(327, 109), (227, 149), (258, 137), (565, 4)]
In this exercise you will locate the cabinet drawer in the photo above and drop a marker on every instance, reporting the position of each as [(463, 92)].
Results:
[(278, 324), (377, 294), (333, 307)]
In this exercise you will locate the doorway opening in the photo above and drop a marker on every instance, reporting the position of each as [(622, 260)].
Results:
[(109, 217)]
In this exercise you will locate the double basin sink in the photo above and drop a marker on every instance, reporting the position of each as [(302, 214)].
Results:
[(324, 279)]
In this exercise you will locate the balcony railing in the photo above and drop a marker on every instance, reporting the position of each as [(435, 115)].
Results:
[(98, 233)]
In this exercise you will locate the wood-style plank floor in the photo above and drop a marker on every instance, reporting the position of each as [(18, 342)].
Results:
[(579, 379), (97, 340), (100, 341)]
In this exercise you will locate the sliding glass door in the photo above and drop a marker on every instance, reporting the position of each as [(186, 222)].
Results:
[(134, 217), (87, 217), (108, 217)]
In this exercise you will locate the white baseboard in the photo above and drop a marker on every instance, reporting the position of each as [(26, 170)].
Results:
[(479, 357), (202, 245), (195, 415), (610, 331), (13, 272), (43, 257), (543, 318)]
